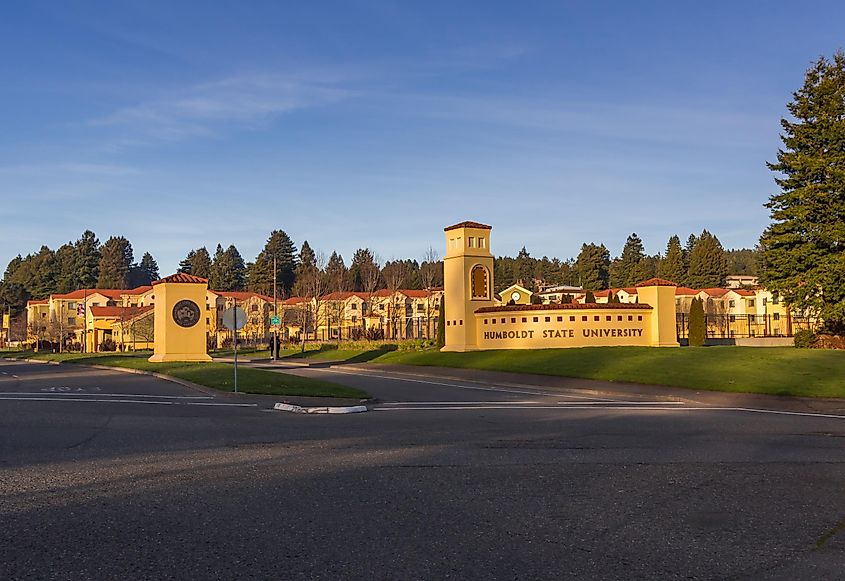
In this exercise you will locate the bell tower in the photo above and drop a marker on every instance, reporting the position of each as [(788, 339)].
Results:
[(468, 282)]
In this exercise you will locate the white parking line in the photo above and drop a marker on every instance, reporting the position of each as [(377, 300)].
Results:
[(241, 405), (463, 386)]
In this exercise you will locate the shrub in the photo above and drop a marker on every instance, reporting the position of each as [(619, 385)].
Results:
[(441, 325), (589, 297), (804, 339), (108, 345), (697, 324)]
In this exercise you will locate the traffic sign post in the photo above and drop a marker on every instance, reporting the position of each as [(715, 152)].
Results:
[(234, 318)]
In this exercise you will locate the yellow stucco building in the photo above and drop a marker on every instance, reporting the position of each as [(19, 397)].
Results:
[(476, 321)]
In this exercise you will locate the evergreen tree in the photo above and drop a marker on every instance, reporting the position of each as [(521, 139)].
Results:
[(65, 268), (281, 247), (201, 263), (743, 261), (337, 275), (115, 263), (186, 264), (697, 323), (672, 265), (593, 266), (441, 324), (589, 298), (216, 275), (525, 268), (630, 269), (38, 273), (148, 269), (12, 267), (229, 269), (708, 266), (88, 256), (804, 247), (13, 296)]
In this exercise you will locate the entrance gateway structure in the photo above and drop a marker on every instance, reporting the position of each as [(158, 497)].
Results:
[(476, 321)]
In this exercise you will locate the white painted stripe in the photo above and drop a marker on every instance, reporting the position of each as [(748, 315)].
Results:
[(457, 402), (629, 409), (70, 399), (463, 386), (75, 394), (15, 376), (242, 405), (621, 401)]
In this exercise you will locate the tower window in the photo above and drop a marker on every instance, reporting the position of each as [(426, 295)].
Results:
[(480, 281)]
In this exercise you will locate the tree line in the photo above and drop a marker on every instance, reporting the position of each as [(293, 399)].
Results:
[(701, 263)]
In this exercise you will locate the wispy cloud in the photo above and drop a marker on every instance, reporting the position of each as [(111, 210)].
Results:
[(75, 168), (202, 109)]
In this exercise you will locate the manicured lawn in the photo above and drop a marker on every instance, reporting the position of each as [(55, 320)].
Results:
[(772, 370), (215, 375)]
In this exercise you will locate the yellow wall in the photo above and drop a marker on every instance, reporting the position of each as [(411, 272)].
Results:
[(536, 328), (466, 248), (172, 341)]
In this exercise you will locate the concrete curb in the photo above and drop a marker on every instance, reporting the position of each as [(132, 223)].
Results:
[(296, 409)]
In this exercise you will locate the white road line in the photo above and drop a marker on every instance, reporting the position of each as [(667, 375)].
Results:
[(457, 402), (460, 386), (15, 376), (75, 394), (242, 405), (71, 399), (628, 409)]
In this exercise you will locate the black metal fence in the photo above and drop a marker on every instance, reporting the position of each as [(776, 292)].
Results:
[(744, 326)]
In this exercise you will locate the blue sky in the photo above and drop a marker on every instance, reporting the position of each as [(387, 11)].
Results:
[(350, 124)]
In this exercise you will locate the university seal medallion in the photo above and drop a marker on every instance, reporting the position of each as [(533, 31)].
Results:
[(186, 313)]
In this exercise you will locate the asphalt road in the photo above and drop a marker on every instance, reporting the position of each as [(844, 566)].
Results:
[(105, 475)]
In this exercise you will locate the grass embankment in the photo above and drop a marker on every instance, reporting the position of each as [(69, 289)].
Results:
[(767, 370), (213, 374)]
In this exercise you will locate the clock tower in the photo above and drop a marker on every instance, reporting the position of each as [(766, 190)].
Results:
[(468, 282)]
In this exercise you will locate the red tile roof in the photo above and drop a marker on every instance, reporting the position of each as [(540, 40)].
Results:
[(183, 277), (243, 295), (468, 224), (685, 291), (112, 293), (343, 295), (743, 292), (294, 301), (656, 282), (41, 302), (120, 312), (714, 292)]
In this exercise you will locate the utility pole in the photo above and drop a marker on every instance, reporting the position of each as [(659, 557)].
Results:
[(235, 342), (85, 320), (275, 314)]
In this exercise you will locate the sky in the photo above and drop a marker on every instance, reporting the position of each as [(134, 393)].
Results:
[(377, 123)]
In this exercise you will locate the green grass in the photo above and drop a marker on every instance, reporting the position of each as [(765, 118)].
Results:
[(767, 370), (215, 375)]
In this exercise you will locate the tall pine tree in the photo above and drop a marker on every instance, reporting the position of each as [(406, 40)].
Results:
[(280, 246), (804, 247), (708, 265), (672, 265), (115, 263), (593, 266), (631, 267)]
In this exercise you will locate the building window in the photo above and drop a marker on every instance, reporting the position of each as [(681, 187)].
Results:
[(572, 318), (71, 305), (775, 300), (494, 321), (513, 320), (596, 318), (560, 319), (584, 318), (254, 308), (524, 320), (752, 318), (354, 306), (481, 243), (548, 319), (485, 321), (71, 321), (503, 320), (608, 318), (419, 307), (479, 279), (535, 319), (750, 302), (639, 317), (470, 241), (733, 318), (777, 317), (208, 320), (354, 318), (462, 322), (619, 317), (630, 317), (448, 323)]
